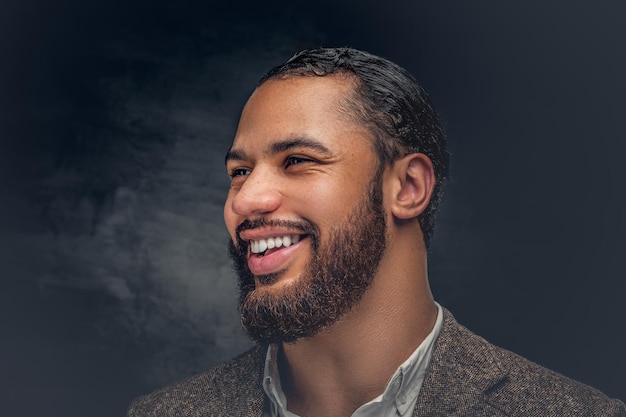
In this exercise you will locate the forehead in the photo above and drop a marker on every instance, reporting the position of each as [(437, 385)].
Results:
[(299, 106)]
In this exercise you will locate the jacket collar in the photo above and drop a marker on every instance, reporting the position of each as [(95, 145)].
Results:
[(464, 369)]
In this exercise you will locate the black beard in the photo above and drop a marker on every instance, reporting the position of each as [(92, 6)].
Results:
[(335, 280)]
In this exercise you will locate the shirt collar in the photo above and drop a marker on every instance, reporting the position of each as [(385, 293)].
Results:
[(271, 383), (401, 390)]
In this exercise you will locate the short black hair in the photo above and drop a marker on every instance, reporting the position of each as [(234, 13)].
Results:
[(389, 101)]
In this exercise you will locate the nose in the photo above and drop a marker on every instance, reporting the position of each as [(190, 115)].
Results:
[(258, 195)]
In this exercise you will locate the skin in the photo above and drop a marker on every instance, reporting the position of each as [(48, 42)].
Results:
[(296, 156)]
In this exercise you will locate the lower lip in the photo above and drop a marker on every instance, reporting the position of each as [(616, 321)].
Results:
[(273, 262)]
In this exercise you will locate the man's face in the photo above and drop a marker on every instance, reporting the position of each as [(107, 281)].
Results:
[(305, 209)]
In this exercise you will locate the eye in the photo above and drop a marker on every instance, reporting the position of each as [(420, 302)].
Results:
[(295, 160), (239, 172)]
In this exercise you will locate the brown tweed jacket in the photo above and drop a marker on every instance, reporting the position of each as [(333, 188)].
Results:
[(467, 377)]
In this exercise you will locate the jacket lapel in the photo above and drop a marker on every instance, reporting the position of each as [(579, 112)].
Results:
[(464, 369)]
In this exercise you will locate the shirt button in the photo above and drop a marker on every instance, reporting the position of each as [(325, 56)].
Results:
[(402, 398)]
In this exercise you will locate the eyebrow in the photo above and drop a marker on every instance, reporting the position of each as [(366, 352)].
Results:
[(282, 146), (235, 155), (300, 142)]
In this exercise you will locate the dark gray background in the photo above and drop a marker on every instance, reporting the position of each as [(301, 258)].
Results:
[(114, 121)]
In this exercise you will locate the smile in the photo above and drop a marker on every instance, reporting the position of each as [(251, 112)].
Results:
[(259, 247), (263, 259)]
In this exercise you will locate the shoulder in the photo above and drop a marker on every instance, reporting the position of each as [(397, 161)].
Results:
[(232, 388), (531, 389), (495, 381)]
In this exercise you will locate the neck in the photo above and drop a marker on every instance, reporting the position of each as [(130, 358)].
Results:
[(350, 363)]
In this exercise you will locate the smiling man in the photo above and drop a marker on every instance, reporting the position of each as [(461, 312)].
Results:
[(337, 168)]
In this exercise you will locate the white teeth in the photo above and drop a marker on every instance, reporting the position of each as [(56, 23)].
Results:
[(260, 246)]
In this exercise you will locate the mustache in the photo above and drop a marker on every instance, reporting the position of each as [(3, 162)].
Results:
[(303, 226)]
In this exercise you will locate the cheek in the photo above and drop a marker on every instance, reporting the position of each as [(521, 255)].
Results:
[(328, 205)]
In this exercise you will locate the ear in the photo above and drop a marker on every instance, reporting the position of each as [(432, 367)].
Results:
[(412, 184)]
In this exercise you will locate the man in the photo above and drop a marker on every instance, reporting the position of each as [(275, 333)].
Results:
[(337, 168)]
